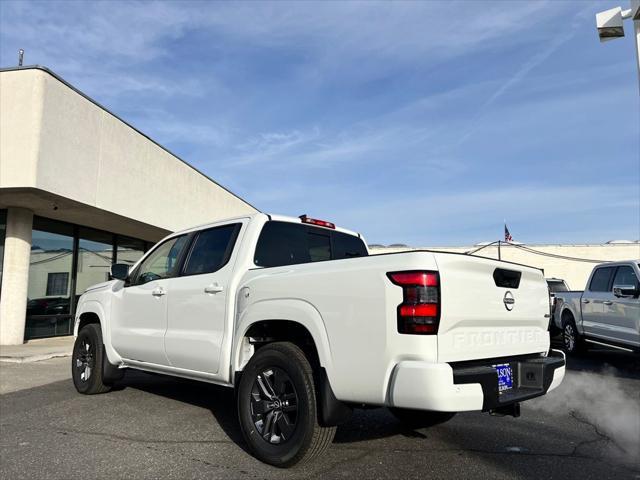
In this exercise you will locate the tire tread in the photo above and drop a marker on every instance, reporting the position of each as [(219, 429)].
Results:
[(96, 381), (322, 437)]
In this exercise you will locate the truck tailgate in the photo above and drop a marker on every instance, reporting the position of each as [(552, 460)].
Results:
[(486, 312)]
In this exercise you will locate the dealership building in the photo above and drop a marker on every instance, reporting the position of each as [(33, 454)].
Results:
[(79, 190)]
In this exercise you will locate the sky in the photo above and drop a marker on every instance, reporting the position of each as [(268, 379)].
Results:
[(424, 123)]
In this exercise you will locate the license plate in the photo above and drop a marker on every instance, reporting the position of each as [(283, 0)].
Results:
[(505, 377)]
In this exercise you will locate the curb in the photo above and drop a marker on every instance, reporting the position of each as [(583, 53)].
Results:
[(34, 358)]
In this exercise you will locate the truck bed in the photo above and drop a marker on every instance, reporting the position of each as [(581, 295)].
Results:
[(357, 304)]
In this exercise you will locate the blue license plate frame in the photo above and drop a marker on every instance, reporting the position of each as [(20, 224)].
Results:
[(505, 377)]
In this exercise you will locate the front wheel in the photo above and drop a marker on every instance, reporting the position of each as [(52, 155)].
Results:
[(276, 403), (420, 418), (87, 361)]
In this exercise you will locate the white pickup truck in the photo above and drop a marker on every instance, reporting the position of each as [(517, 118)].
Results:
[(305, 325), (607, 313)]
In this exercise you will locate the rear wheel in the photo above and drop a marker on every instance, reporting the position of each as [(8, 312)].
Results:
[(277, 407), (420, 418), (87, 361), (572, 340)]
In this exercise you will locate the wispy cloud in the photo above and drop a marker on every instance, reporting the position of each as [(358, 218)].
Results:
[(374, 114), (536, 59), (477, 215)]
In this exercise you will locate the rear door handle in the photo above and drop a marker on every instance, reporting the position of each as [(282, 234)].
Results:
[(213, 288), (158, 292), (585, 300), (608, 302)]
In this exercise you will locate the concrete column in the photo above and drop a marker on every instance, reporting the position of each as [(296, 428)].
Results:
[(15, 276)]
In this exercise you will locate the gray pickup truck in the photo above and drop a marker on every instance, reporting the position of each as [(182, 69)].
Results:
[(606, 313)]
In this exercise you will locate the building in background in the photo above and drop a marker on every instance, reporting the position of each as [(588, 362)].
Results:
[(79, 190), (572, 263)]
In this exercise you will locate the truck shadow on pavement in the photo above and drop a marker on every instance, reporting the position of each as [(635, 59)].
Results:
[(364, 425), (220, 401)]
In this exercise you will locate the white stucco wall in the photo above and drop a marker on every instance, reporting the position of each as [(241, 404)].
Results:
[(575, 273), (54, 139)]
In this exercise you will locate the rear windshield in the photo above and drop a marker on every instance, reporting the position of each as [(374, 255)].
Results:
[(285, 243), (557, 287)]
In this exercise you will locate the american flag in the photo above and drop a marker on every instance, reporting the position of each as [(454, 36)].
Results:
[(507, 235)]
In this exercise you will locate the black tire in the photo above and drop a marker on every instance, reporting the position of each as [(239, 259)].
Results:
[(87, 361), (276, 398), (420, 418), (572, 341)]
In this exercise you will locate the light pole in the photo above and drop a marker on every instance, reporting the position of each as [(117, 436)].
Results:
[(610, 25)]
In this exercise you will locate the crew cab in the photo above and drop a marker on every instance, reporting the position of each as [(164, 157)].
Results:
[(296, 316), (607, 313)]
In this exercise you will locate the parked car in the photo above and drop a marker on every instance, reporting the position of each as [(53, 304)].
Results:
[(606, 313), (47, 306), (555, 285), (296, 316)]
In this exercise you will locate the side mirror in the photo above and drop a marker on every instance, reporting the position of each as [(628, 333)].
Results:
[(625, 291), (120, 271)]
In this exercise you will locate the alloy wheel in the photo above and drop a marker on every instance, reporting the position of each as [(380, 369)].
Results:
[(569, 337), (274, 405), (85, 361)]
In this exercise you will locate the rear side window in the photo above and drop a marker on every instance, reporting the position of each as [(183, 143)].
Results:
[(600, 280), (285, 243), (211, 250)]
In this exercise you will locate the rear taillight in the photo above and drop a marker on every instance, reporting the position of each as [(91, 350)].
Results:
[(419, 312)]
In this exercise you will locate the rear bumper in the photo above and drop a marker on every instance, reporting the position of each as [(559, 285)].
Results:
[(466, 386)]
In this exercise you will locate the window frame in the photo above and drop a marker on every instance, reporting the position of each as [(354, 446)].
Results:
[(52, 276), (227, 254)]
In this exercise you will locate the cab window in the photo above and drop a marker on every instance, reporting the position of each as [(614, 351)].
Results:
[(348, 246), (625, 276), (600, 280), (319, 247), (211, 250), (162, 262)]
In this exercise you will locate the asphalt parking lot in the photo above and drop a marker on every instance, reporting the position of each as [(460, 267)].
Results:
[(152, 426)]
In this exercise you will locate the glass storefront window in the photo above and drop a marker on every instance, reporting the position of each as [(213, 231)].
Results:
[(54, 284), (129, 250), (50, 267), (95, 256)]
